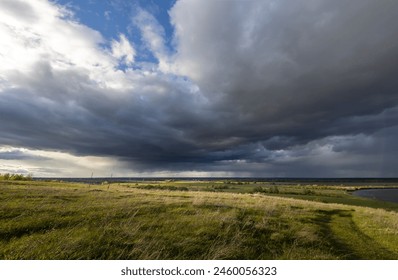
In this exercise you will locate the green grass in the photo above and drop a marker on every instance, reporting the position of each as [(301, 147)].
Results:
[(192, 220)]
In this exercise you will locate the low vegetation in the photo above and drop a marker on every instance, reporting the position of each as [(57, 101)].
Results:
[(192, 220), (15, 177)]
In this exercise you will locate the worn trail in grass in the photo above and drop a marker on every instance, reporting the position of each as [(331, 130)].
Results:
[(354, 243), (348, 240)]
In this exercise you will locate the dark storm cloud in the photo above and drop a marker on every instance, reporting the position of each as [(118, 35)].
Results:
[(292, 69), (276, 88), (289, 73), (64, 111), (18, 155)]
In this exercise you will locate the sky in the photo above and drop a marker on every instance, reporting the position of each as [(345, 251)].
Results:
[(256, 88)]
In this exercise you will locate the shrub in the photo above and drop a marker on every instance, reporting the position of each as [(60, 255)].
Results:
[(274, 189), (15, 177), (260, 190), (308, 192)]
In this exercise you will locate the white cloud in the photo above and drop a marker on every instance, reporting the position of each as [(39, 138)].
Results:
[(123, 50), (107, 15), (153, 36), (47, 32)]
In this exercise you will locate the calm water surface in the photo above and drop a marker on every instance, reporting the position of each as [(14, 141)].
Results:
[(390, 195)]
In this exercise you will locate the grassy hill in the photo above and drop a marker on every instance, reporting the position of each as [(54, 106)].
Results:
[(192, 220)]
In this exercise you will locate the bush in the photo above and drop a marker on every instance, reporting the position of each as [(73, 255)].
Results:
[(15, 177), (308, 192), (274, 189), (260, 190)]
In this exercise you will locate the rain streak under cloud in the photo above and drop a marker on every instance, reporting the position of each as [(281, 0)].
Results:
[(199, 88)]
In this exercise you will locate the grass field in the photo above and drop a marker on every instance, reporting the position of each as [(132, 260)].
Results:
[(193, 220)]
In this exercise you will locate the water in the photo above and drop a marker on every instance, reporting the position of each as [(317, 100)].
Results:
[(390, 195)]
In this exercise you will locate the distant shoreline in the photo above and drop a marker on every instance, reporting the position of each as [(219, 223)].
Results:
[(279, 180)]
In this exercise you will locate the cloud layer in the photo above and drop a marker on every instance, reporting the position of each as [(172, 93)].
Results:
[(254, 88)]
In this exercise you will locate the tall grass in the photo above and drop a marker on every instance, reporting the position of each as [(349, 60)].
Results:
[(52, 220)]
